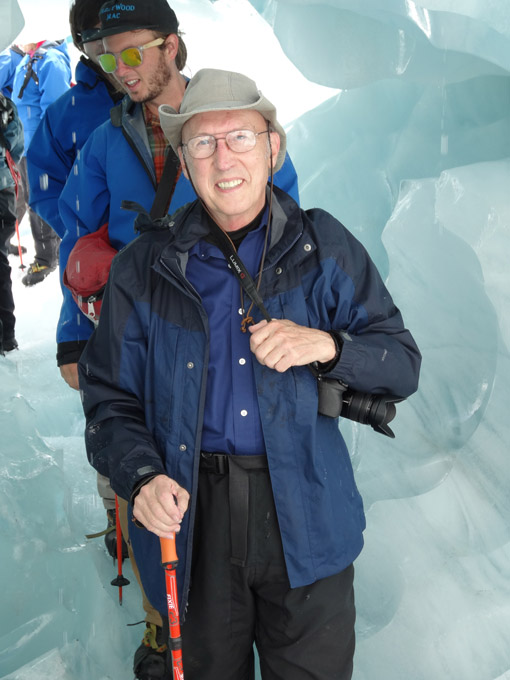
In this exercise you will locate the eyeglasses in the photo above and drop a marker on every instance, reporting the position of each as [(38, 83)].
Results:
[(239, 141), (131, 56)]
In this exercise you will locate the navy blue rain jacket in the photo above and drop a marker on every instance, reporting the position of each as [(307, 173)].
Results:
[(143, 376)]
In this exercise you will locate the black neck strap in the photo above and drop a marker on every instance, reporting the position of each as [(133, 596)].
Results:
[(238, 267)]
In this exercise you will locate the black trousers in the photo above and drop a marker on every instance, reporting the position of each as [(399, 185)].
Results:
[(46, 241), (239, 599), (7, 229)]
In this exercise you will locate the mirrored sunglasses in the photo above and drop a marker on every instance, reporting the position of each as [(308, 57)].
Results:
[(131, 56), (239, 141)]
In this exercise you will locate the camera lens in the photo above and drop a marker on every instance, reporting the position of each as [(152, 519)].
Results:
[(370, 409)]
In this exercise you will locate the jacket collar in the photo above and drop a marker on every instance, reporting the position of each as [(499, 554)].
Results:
[(126, 109), (190, 224)]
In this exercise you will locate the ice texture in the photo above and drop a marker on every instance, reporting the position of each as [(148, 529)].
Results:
[(398, 120)]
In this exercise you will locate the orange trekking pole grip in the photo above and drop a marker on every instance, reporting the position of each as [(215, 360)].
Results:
[(169, 563)]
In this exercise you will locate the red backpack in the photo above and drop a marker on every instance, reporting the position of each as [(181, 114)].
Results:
[(87, 282), (89, 262)]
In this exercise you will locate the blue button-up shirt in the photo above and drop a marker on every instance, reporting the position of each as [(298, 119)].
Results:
[(231, 418)]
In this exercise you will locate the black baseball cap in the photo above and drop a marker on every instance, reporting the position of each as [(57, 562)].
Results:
[(132, 15)]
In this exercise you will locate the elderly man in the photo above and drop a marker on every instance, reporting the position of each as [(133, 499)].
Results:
[(127, 157), (215, 433)]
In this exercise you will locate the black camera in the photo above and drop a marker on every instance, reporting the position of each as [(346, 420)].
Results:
[(377, 410)]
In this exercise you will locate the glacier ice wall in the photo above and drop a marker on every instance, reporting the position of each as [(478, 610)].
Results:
[(398, 117), (413, 155)]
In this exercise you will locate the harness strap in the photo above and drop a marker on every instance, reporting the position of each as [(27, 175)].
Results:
[(237, 468)]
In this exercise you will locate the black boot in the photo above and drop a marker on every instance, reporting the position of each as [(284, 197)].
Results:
[(110, 537), (37, 273), (12, 249), (152, 660), (7, 342)]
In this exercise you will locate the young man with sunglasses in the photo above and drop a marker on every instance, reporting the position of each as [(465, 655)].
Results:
[(124, 158), (216, 433)]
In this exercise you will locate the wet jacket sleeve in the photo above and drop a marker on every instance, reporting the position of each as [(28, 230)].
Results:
[(119, 444), (49, 165), (378, 354), (83, 207)]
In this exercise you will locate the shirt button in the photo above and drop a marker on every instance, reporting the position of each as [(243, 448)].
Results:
[(240, 311), (307, 247), (190, 364), (182, 447), (242, 361), (244, 412), (279, 270)]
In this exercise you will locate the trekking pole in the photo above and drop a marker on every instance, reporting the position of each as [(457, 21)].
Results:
[(16, 176), (169, 563), (120, 580), (21, 266)]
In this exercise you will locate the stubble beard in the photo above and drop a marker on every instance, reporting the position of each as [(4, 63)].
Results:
[(157, 83)]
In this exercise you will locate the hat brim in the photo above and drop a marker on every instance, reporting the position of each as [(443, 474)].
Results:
[(115, 30), (173, 122)]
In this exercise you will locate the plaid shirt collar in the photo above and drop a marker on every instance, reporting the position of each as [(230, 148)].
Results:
[(157, 140)]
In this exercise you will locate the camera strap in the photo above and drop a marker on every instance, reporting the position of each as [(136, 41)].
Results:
[(239, 269)]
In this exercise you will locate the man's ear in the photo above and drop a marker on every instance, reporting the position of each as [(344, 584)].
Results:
[(183, 164), (171, 45), (275, 146)]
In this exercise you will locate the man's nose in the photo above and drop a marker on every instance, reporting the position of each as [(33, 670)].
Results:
[(223, 154), (121, 69)]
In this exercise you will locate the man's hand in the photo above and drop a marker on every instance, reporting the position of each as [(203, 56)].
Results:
[(160, 506), (281, 344), (70, 374)]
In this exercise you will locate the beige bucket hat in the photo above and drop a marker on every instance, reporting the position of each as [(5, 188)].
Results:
[(215, 90)]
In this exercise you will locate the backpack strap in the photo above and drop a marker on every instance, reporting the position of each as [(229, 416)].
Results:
[(166, 184), (29, 74)]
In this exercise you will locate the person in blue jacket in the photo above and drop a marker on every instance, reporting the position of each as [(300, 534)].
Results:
[(122, 158), (68, 122), (217, 434), (11, 150), (41, 77), (9, 59), (64, 128)]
